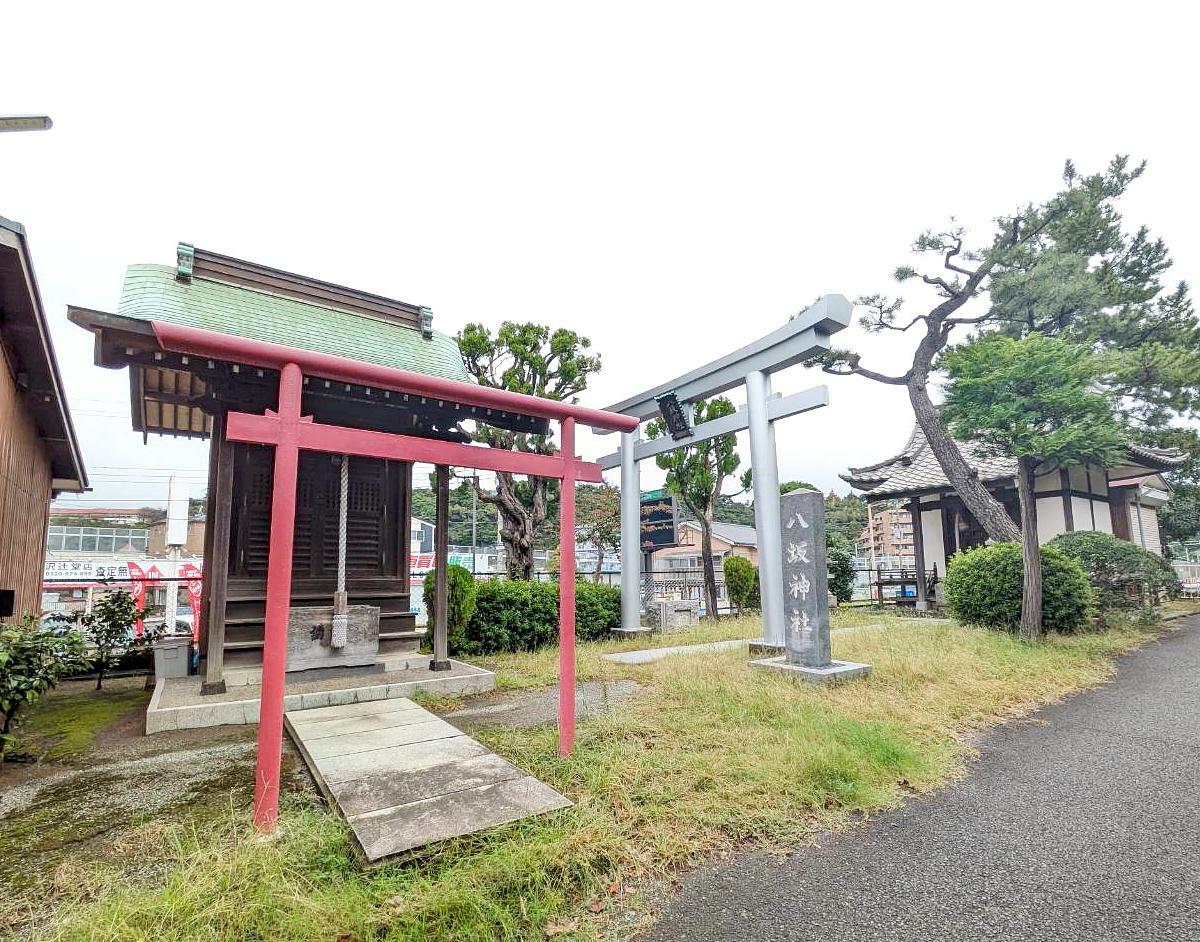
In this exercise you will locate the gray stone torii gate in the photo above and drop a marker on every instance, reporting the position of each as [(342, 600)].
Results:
[(803, 336)]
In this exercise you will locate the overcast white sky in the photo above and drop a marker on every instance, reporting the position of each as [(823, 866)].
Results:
[(671, 180)]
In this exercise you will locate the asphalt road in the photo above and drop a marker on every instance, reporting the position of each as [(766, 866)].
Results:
[(1082, 825)]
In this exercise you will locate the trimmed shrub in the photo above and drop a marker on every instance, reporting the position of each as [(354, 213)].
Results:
[(983, 587), (1123, 574), (741, 583), (841, 574), (461, 593), (522, 616)]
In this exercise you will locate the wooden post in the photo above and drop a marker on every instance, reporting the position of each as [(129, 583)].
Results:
[(914, 511), (441, 559), (279, 597), (566, 593), (216, 559), (1064, 482)]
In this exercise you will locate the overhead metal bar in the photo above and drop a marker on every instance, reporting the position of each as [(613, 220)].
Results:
[(799, 339), (778, 407)]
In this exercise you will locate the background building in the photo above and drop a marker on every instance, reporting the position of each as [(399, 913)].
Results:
[(888, 535), (39, 454)]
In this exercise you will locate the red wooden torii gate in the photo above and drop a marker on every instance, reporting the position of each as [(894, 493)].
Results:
[(290, 432)]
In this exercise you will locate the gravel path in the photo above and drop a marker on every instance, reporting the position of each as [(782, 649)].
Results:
[(1083, 824)]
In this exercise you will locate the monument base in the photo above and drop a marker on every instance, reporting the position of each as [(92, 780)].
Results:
[(836, 671), (762, 648), (632, 632)]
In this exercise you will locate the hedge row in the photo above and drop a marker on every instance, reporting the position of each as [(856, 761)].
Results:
[(523, 616), (983, 587), (1122, 573)]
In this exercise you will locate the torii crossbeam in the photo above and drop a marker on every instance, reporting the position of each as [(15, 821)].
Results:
[(804, 336)]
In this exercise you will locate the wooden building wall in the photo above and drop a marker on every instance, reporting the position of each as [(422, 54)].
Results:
[(24, 498), (377, 561)]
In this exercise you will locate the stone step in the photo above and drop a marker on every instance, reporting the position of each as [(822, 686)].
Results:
[(404, 778)]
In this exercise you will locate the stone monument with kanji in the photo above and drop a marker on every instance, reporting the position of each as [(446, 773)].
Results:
[(806, 595)]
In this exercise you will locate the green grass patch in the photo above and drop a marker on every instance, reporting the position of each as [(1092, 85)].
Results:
[(63, 725), (710, 758)]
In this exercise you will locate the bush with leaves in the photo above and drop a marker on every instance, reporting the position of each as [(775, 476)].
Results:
[(1123, 574), (32, 662), (461, 592), (515, 615), (109, 631), (983, 588), (841, 573), (741, 583)]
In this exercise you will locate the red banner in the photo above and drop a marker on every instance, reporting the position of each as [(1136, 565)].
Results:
[(195, 584), (137, 584)]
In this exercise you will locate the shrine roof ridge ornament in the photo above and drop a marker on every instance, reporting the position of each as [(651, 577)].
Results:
[(783, 347)]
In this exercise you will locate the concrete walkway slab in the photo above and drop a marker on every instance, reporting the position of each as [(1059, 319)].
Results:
[(404, 778), (650, 655)]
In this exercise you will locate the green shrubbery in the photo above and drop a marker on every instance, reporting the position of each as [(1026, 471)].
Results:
[(461, 593), (1123, 574), (741, 583), (841, 573), (32, 662), (522, 616), (983, 587)]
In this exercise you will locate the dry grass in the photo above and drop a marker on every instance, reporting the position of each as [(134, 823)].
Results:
[(711, 758)]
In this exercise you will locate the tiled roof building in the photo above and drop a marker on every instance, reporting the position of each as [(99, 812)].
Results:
[(1121, 500)]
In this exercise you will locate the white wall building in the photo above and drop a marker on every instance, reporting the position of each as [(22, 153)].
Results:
[(1122, 500)]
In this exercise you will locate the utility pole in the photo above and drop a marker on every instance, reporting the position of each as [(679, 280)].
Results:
[(474, 479)]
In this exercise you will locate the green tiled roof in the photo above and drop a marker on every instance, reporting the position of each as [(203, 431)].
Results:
[(152, 293)]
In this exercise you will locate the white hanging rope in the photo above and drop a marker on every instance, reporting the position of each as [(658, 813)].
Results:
[(343, 500), (341, 615)]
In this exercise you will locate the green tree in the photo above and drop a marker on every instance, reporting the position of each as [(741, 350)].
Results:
[(728, 509), (696, 474), (32, 661), (841, 569), (845, 520), (424, 507), (598, 519), (1064, 267), (461, 594), (538, 361), (1037, 399), (1179, 521), (741, 583), (109, 630)]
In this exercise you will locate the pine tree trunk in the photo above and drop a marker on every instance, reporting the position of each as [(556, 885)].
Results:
[(987, 510), (710, 575), (1031, 553)]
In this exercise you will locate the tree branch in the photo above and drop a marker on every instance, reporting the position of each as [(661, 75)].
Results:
[(853, 368)]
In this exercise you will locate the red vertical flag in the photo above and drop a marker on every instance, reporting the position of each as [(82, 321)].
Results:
[(137, 585)]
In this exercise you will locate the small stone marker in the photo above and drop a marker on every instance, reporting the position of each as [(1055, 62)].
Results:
[(806, 594)]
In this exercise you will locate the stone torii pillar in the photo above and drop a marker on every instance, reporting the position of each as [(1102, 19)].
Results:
[(804, 336)]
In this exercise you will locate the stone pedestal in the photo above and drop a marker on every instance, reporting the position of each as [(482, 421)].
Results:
[(678, 616), (308, 638), (833, 672), (761, 648)]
